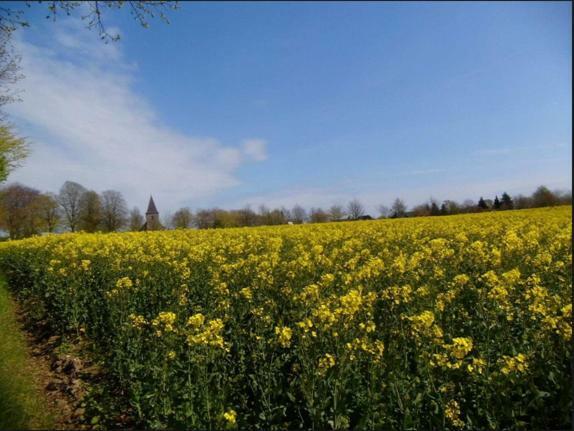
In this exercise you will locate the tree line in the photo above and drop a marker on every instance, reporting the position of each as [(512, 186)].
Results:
[(25, 211), (355, 210)]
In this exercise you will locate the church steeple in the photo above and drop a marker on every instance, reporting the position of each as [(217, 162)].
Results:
[(151, 209), (151, 217)]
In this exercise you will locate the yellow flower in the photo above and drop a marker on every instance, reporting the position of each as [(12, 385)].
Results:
[(166, 320), (326, 362), (461, 279), (514, 364), (422, 325), (230, 417), (379, 349), (246, 293), (453, 355), (305, 325), (196, 320), (477, 366), (452, 413), (124, 282), (460, 347), (137, 321), (511, 277), (283, 335)]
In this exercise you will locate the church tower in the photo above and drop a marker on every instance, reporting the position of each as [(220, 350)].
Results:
[(151, 217)]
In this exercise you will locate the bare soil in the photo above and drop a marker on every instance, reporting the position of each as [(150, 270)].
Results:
[(60, 370)]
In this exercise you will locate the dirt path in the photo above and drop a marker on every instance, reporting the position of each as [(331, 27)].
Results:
[(22, 399), (40, 384)]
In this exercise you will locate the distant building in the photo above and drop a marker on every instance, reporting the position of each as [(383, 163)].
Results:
[(151, 217)]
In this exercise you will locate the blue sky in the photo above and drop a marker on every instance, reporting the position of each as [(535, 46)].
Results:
[(308, 103)]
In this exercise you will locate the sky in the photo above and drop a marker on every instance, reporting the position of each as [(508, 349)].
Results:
[(235, 104)]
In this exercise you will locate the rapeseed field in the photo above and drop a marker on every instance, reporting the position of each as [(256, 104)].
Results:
[(457, 322)]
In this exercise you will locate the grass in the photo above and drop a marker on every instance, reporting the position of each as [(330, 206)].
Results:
[(22, 405)]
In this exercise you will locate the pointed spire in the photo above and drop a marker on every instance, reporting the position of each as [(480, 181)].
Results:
[(151, 209)]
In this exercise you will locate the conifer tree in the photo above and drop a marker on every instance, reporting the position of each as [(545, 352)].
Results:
[(506, 202), (443, 209), (496, 205)]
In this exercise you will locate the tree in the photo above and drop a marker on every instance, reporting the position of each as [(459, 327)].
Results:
[(434, 208), (482, 204), (19, 216), (506, 202), (47, 210), (182, 219), (246, 216), (93, 13), (496, 205), (114, 211), (336, 212), (91, 212), (451, 207), (223, 218), (421, 210), (543, 197), (264, 216), (164, 221), (399, 209), (355, 209), (522, 202), (9, 70), (204, 219), (565, 198), (384, 211), (13, 150), (443, 209), (69, 199), (298, 214), (318, 216), (286, 214), (276, 217), (468, 206), (136, 220)]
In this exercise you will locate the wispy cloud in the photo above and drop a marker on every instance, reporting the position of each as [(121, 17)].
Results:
[(517, 149), (87, 123), (424, 172), (493, 151), (255, 148)]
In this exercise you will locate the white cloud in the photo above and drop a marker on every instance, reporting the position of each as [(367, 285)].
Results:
[(424, 172), (87, 124), (255, 149), (493, 151), (517, 149)]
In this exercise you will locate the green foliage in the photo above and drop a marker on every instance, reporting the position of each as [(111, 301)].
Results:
[(13, 150)]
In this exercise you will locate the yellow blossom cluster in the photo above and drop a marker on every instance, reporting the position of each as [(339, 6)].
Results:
[(514, 364), (205, 333), (452, 413), (453, 353), (325, 363), (284, 335), (165, 322)]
